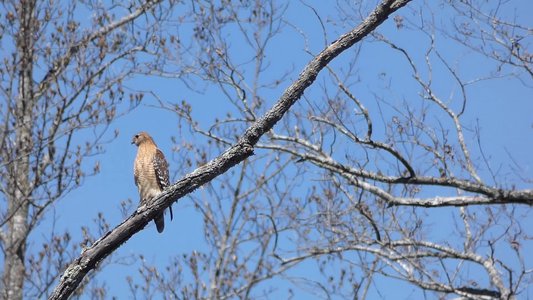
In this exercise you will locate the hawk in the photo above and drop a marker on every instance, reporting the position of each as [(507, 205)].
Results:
[(150, 171)]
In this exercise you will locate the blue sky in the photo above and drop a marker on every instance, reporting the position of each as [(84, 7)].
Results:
[(501, 107)]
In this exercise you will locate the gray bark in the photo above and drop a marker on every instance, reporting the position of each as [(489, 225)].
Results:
[(20, 188)]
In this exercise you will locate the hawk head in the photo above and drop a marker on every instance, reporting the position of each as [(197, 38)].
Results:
[(141, 138)]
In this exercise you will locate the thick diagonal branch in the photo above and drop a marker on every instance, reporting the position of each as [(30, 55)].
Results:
[(91, 256)]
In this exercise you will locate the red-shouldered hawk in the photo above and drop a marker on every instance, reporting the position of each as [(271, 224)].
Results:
[(150, 172)]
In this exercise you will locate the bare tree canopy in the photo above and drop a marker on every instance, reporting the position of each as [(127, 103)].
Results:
[(60, 74), (339, 149)]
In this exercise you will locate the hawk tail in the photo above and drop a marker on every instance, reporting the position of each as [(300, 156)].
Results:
[(160, 223)]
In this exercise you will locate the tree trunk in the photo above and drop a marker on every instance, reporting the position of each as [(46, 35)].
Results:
[(20, 189)]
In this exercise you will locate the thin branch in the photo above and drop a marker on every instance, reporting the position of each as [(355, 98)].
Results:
[(488, 195), (61, 63)]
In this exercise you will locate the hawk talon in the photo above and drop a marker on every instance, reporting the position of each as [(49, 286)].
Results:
[(141, 207)]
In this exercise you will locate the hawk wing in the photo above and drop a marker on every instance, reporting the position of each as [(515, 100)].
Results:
[(161, 169), (136, 174), (161, 173)]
